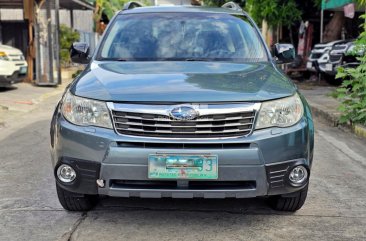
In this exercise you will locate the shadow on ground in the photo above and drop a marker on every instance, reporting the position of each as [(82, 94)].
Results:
[(253, 205), (6, 89)]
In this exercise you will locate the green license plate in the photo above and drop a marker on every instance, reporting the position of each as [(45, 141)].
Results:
[(174, 166)]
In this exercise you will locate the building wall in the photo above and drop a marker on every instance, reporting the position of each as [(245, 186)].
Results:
[(14, 29), (82, 19)]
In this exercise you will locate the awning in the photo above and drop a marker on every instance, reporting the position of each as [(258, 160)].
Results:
[(332, 4), (11, 4), (76, 4)]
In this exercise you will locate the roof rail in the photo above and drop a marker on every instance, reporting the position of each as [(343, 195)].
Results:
[(131, 5), (233, 6)]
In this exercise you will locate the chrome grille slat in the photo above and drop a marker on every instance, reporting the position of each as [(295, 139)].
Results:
[(183, 132), (213, 122), (186, 126), (166, 118)]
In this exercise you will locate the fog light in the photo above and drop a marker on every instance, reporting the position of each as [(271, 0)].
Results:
[(298, 175), (66, 173)]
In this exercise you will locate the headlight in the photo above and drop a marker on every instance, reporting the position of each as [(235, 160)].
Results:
[(85, 112), (280, 113), (3, 56)]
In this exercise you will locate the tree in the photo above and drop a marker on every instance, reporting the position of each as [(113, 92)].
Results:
[(274, 12), (67, 37), (107, 8)]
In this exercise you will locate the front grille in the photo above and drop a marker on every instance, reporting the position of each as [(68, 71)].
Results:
[(191, 185), (316, 55), (165, 145), (340, 47), (206, 126), (16, 57), (335, 58)]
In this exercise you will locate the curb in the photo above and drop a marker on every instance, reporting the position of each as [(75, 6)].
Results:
[(325, 115), (333, 119), (359, 130)]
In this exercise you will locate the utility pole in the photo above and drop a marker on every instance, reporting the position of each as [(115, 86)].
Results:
[(57, 41)]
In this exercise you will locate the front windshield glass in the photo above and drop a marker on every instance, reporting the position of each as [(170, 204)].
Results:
[(182, 37)]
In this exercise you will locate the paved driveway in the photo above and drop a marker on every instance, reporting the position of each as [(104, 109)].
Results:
[(29, 210)]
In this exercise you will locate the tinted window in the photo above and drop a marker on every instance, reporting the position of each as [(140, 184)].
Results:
[(182, 36)]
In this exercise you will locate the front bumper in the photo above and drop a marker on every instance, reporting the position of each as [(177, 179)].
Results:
[(15, 78), (251, 166)]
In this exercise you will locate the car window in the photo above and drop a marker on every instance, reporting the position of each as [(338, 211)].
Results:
[(182, 36)]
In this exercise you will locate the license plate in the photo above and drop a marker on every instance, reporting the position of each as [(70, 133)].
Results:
[(174, 166), (23, 70), (328, 67), (309, 65)]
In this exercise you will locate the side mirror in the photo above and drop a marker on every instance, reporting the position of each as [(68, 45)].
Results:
[(79, 53), (285, 53)]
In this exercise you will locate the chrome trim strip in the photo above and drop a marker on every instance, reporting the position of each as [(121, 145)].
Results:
[(195, 121), (186, 132), (203, 109), (192, 126)]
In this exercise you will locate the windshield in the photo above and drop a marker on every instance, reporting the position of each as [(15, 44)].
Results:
[(182, 37)]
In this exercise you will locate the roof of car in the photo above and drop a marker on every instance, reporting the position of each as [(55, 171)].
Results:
[(182, 8)]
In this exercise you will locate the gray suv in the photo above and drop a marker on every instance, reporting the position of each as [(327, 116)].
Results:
[(182, 102)]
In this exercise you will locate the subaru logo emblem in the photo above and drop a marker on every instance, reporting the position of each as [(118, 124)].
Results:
[(183, 112)]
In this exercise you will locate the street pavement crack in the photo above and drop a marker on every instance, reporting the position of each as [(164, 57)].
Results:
[(69, 235)]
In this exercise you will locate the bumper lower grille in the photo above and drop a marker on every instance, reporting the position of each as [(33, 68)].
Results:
[(316, 55), (206, 126), (191, 185), (335, 58)]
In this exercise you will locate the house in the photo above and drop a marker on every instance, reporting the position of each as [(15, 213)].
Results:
[(32, 26)]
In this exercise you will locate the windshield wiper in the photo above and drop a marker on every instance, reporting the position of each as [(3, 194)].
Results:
[(195, 59), (112, 59)]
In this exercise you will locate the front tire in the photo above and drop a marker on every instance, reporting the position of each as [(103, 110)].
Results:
[(291, 202), (75, 201)]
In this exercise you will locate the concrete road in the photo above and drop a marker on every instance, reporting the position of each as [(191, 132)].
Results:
[(29, 210)]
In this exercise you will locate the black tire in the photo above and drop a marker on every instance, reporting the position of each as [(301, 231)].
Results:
[(332, 80), (75, 201), (290, 202)]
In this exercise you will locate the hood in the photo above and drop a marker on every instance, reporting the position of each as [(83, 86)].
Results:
[(9, 50), (329, 44), (181, 82)]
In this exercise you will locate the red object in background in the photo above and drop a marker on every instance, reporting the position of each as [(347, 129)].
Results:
[(303, 48), (349, 10), (305, 40), (308, 41)]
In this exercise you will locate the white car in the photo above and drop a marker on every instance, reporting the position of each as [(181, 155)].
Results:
[(13, 67), (319, 57)]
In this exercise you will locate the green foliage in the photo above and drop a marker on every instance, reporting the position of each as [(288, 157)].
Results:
[(77, 72), (214, 3), (318, 3), (67, 37), (275, 12), (110, 7), (352, 92)]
